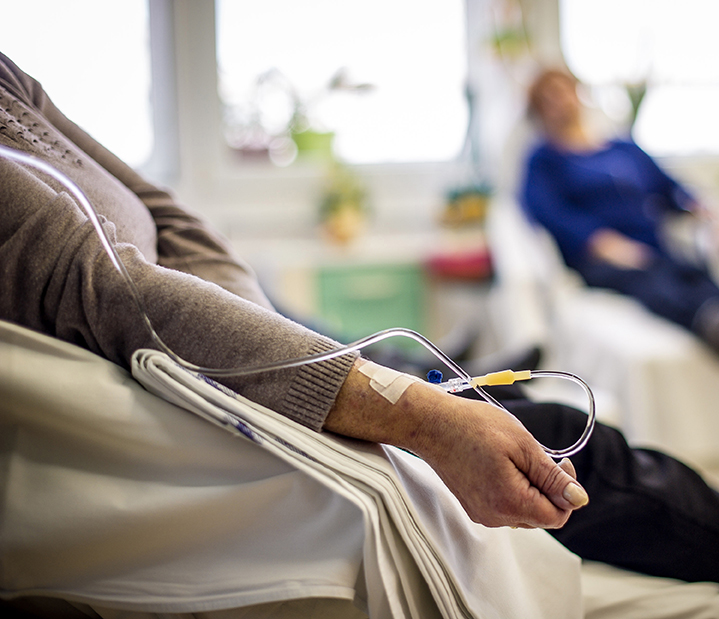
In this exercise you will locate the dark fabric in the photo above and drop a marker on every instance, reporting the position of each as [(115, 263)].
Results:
[(648, 512), (668, 288)]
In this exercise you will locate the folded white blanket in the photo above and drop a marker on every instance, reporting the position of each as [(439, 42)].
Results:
[(422, 555), (114, 497)]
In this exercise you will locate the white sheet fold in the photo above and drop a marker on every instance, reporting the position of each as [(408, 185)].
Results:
[(429, 558)]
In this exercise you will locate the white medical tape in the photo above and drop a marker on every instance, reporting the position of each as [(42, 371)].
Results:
[(389, 383)]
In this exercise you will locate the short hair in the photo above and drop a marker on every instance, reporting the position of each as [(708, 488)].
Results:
[(535, 90)]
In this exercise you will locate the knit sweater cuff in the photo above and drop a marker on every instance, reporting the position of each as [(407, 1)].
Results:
[(314, 390)]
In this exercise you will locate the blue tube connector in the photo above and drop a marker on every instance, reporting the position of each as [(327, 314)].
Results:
[(434, 377)]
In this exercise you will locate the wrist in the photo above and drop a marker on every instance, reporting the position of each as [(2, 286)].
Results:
[(410, 422)]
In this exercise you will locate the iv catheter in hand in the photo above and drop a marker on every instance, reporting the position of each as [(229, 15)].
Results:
[(464, 381)]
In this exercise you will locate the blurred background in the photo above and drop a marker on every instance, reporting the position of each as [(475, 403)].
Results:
[(364, 157)]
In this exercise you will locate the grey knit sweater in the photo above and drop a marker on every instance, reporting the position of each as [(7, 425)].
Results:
[(203, 301)]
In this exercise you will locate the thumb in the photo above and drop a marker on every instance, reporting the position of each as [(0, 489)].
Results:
[(573, 491), (563, 489)]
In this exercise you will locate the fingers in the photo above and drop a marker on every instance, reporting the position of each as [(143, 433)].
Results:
[(553, 492), (541, 495), (497, 470), (536, 510), (566, 465), (573, 492), (561, 487)]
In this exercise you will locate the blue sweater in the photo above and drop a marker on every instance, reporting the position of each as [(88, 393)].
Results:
[(618, 186)]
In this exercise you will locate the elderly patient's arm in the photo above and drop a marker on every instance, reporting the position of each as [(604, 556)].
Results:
[(491, 463)]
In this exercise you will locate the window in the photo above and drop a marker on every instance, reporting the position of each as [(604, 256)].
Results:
[(93, 60), (386, 77), (668, 45)]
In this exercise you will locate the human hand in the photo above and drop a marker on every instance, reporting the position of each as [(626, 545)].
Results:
[(619, 250), (486, 457), (498, 471)]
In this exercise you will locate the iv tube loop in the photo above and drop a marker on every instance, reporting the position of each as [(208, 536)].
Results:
[(111, 251), (591, 414)]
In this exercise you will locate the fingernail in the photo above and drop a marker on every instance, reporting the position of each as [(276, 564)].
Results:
[(576, 495)]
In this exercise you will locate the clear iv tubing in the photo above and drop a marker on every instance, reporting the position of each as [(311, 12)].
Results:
[(465, 380)]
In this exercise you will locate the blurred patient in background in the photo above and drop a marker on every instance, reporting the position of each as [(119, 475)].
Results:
[(606, 202)]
